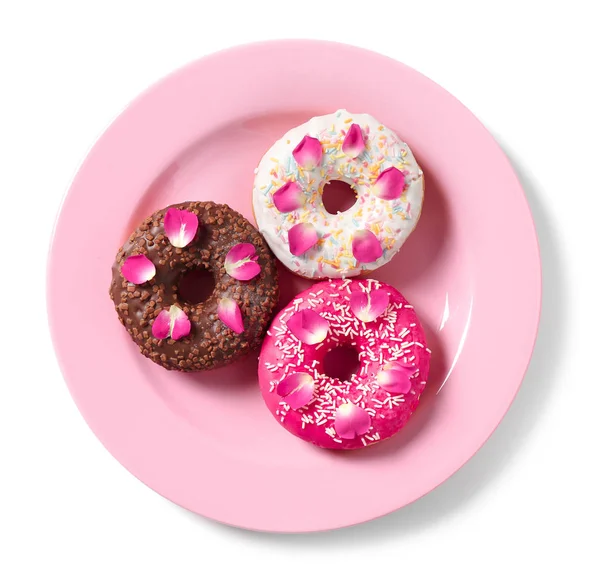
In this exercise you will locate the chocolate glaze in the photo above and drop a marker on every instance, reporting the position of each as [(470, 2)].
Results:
[(210, 344)]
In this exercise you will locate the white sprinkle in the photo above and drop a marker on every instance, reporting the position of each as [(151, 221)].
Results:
[(412, 324), (427, 350)]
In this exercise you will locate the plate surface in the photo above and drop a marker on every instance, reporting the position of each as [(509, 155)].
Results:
[(206, 441)]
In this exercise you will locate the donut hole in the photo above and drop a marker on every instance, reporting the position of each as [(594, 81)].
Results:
[(196, 286), (341, 362), (338, 196)]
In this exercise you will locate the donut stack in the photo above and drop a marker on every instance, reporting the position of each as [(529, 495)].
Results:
[(307, 387)]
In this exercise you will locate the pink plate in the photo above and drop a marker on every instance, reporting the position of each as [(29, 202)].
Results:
[(207, 441)]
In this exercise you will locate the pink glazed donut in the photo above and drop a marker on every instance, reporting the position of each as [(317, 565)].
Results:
[(367, 318)]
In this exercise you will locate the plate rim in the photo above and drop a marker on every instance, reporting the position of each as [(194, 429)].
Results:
[(50, 284)]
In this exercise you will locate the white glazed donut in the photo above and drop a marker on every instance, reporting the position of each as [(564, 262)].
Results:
[(288, 188)]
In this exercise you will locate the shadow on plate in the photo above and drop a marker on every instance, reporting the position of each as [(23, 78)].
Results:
[(423, 248), (233, 377)]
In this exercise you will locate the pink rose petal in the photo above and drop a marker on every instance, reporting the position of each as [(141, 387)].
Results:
[(366, 248), (246, 271), (394, 379), (172, 322), (138, 269), (180, 323), (354, 144), (297, 389), (309, 327), (162, 325), (308, 153), (289, 197), (302, 237), (229, 313), (351, 421), (241, 262), (369, 306), (389, 184), (180, 227)]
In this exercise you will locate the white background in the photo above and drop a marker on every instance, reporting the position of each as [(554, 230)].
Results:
[(525, 508)]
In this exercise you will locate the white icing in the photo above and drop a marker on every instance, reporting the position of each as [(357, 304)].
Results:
[(391, 220)]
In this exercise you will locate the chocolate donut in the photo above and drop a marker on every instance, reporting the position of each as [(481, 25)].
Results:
[(150, 266)]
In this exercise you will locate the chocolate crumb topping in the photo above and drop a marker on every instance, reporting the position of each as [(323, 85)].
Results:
[(210, 344)]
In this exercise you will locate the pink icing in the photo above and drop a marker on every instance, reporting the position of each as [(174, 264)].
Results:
[(394, 340)]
